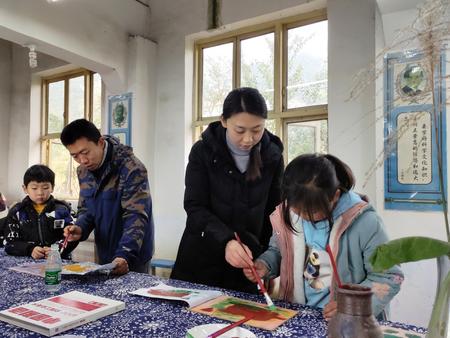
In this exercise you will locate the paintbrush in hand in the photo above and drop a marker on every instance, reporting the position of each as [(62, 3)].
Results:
[(261, 286), (64, 245)]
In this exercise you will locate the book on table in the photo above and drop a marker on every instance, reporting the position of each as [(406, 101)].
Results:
[(216, 304), (60, 313)]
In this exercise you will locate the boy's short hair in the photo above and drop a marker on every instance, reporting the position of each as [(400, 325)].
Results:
[(39, 173), (78, 129)]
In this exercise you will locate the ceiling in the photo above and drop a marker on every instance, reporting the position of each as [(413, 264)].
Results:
[(131, 16), (389, 6), (114, 10)]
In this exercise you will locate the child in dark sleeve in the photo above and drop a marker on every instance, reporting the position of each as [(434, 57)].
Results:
[(37, 222)]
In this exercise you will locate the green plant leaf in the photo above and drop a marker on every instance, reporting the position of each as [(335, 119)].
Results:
[(438, 326), (407, 249)]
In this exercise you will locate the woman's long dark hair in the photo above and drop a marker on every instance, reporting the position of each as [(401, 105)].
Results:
[(248, 100), (310, 183)]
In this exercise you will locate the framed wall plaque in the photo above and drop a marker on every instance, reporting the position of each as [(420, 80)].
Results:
[(119, 117), (415, 133)]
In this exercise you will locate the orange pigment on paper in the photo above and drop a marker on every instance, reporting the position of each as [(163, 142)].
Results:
[(75, 268), (169, 293)]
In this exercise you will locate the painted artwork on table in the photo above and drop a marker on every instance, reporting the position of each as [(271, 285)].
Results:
[(235, 309), (177, 293), (191, 296), (81, 268), (393, 332)]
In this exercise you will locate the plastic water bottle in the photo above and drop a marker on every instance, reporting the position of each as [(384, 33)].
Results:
[(53, 268)]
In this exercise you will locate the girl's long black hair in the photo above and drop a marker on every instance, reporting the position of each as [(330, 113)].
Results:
[(248, 100), (310, 183)]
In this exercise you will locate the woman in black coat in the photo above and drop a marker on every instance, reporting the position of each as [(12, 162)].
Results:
[(232, 185)]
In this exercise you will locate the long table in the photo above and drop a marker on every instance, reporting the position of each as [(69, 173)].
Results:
[(142, 317)]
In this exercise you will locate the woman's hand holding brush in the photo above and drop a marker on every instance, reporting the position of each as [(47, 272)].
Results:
[(260, 268)]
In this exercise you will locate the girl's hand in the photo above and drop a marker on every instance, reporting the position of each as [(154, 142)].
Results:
[(238, 255), (330, 310), (260, 268), (38, 252), (73, 232)]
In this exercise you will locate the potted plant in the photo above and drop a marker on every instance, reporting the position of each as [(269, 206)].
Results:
[(411, 249)]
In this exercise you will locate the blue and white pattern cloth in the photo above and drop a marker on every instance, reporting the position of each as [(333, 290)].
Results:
[(142, 317)]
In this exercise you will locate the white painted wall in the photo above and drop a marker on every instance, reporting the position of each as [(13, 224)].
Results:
[(23, 127), (5, 103), (415, 300), (351, 47), (142, 83)]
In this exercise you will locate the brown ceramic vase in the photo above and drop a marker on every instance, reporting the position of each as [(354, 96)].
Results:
[(354, 318)]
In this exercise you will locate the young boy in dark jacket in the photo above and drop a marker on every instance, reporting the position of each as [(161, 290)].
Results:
[(37, 222)]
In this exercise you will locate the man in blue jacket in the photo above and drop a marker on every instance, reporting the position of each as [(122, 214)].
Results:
[(114, 198)]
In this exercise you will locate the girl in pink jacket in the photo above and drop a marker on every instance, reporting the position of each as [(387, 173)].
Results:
[(320, 208)]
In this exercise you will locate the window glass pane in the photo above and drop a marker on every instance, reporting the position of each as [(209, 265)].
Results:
[(55, 121), (97, 101), (217, 78), (307, 65), (270, 126), (60, 161), (307, 137), (76, 98), (257, 65)]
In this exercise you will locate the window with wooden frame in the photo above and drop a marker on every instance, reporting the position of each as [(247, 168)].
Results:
[(287, 61), (67, 97)]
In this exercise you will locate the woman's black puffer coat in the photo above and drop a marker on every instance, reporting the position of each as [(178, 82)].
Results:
[(220, 201)]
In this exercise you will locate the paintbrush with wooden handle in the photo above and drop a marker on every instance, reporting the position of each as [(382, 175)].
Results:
[(258, 279), (228, 327)]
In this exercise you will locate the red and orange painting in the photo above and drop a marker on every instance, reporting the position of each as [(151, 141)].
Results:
[(234, 309), (176, 293)]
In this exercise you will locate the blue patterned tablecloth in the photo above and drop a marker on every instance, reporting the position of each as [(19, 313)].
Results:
[(142, 317)]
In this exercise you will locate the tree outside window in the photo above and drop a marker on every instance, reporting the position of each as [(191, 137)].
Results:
[(287, 61)]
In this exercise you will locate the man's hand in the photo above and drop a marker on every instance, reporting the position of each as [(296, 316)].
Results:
[(39, 252), (73, 232), (238, 255), (121, 267), (330, 310)]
